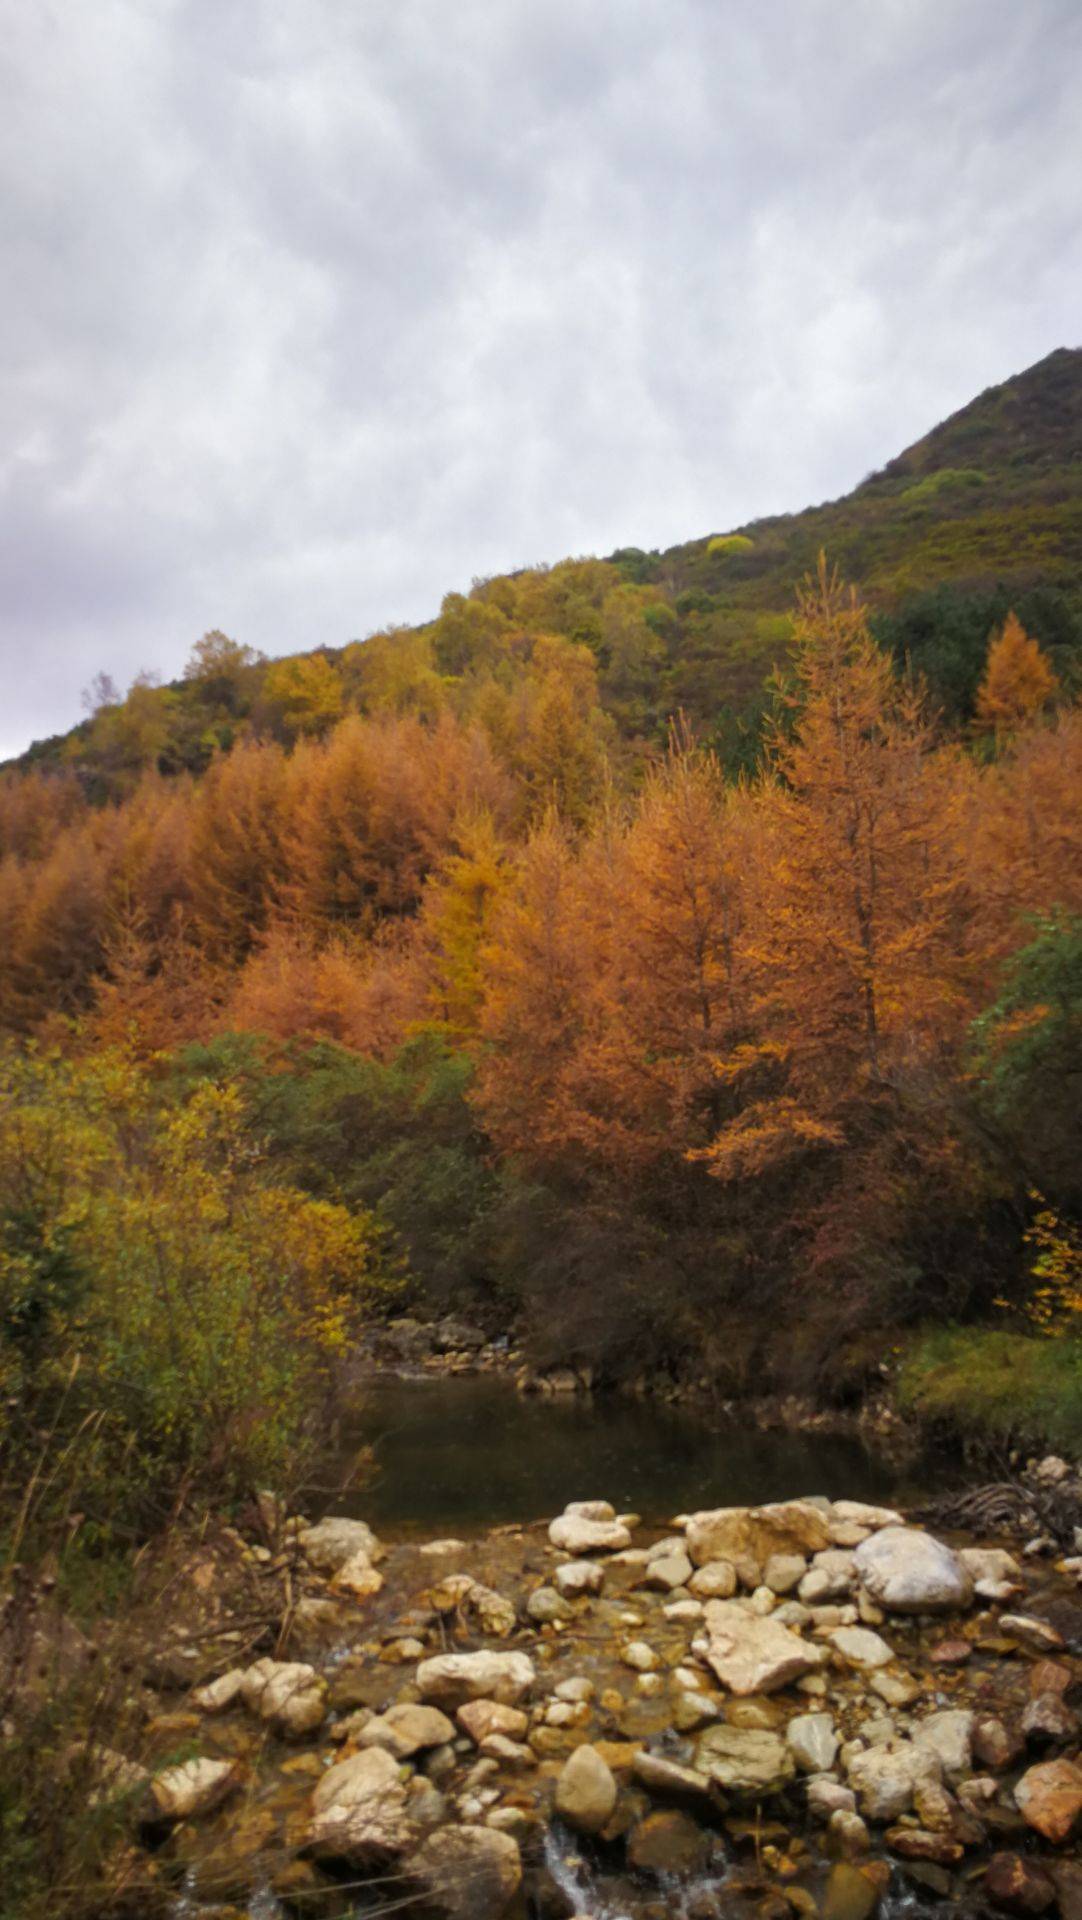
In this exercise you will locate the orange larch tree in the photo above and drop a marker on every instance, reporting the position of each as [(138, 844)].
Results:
[(1018, 680)]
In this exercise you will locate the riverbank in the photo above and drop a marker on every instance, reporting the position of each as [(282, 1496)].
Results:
[(797, 1709), (984, 1392)]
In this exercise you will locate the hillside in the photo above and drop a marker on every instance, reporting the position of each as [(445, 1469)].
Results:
[(983, 513)]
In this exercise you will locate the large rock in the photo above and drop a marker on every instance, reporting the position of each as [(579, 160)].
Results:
[(406, 1730), (1049, 1798), (450, 1679), (359, 1811), (467, 1872), (195, 1786), (576, 1533), (907, 1571), (744, 1760), (886, 1778), (331, 1542), (287, 1694), (754, 1654), (585, 1791), (749, 1536)]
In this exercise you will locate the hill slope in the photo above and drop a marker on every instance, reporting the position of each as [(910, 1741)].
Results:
[(983, 513)]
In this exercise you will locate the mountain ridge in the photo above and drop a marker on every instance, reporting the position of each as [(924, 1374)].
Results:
[(980, 514)]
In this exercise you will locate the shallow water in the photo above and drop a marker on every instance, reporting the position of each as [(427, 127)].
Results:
[(458, 1455)]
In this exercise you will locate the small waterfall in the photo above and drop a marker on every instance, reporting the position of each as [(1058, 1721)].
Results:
[(572, 1874), (589, 1898)]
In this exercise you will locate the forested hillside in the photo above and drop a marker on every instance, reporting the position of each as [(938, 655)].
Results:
[(676, 955)]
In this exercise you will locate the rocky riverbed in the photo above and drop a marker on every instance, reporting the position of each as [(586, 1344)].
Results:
[(812, 1707)]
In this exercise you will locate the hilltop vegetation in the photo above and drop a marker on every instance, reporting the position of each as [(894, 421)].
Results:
[(982, 515)]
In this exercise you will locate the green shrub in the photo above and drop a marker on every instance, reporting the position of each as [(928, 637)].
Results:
[(726, 543), (997, 1386)]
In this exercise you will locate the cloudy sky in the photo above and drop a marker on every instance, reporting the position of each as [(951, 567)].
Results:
[(314, 309)]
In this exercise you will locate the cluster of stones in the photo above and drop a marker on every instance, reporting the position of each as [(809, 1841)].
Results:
[(809, 1653)]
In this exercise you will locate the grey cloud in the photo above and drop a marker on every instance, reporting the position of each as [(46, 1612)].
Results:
[(315, 311)]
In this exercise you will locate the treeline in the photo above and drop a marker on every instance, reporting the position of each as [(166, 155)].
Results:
[(631, 1049)]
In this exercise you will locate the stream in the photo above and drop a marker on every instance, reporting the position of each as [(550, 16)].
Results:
[(459, 1455)]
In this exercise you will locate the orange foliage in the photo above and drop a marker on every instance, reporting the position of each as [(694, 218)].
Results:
[(1018, 680)]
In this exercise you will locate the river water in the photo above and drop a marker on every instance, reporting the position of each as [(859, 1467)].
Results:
[(459, 1455)]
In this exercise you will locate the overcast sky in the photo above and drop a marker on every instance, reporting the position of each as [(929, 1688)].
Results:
[(314, 309)]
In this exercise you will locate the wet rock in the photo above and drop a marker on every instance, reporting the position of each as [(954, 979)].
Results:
[(827, 1796), (667, 1571), (331, 1542), (194, 1787), (935, 1808), (668, 1842), (359, 1811), (994, 1744), (545, 1605), (1067, 1875), (897, 1689), (989, 1563), (288, 1694), (663, 1776), (509, 1753), (1032, 1633), (744, 1759), (1049, 1798), (692, 1709), (357, 1577), (467, 1872), (950, 1735), (577, 1689), (481, 1718), (885, 1778), (495, 1614), (848, 1834), (951, 1653), (751, 1655), (849, 1894), (907, 1571), (1050, 1676), (860, 1647), (640, 1655), (1048, 1721), (578, 1534), (450, 1679), (684, 1610), (813, 1741), (715, 1581), (406, 1730), (748, 1536), (782, 1572), (576, 1577), (916, 1843), (1016, 1885), (863, 1515), (585, 1791)]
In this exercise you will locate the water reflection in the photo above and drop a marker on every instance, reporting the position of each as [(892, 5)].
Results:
[(460, 1455)]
